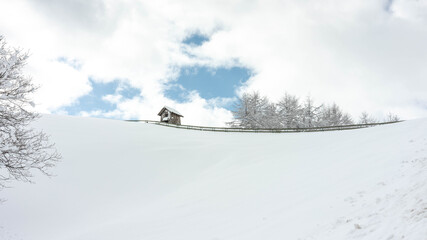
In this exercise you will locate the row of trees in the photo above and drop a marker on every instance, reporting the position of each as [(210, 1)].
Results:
[(255, 111)]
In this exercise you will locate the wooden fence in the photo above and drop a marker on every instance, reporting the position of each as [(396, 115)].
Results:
[(265, 130)]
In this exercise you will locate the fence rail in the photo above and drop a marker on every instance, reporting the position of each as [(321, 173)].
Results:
[(266, 130)]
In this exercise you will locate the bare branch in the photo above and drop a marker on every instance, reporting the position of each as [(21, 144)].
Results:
[(22, 150)]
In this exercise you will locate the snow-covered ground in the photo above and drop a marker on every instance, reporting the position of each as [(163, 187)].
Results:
[(136, 181)]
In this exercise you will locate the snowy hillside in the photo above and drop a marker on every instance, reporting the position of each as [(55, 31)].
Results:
[(137, 181)]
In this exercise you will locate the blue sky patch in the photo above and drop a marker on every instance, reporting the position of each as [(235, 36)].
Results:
[(208, 82), (93, 101), (74, 63), (195, 39)]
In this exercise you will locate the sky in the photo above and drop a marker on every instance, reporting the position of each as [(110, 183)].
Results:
[(127, 59)]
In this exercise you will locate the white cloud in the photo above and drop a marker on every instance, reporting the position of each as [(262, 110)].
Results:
[(60, 84), (365, 55), (112, 98), (412, 10), (354, 53)]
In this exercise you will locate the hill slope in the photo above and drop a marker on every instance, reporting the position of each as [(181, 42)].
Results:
[(123, 180)]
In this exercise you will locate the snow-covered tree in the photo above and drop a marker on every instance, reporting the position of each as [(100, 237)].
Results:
[(271, 118), (252, 111), (333, 116), (391, 117), (309, 113), (365, 118), (289, 111), (22, 149)]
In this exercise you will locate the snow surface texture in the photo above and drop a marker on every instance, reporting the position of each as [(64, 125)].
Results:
[(126, 180)]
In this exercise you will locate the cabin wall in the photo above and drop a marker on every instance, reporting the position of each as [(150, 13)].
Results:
[(173, 118), (164, 114)]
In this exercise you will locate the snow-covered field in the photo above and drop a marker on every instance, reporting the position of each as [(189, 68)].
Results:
[(136, 181)]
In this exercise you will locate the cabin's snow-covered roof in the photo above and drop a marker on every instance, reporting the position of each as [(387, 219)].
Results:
[(170, 110)]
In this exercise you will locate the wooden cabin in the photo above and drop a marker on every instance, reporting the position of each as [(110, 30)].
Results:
[(170, 115)]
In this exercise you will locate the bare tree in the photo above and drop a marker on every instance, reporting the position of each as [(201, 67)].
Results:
[(391, 117), (333, 116), (22, 149), (310, 113), (270, 117), (365, 118), (289, 111), (253, 111)]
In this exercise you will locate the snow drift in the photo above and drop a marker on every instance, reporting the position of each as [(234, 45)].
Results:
[(125, 180)]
